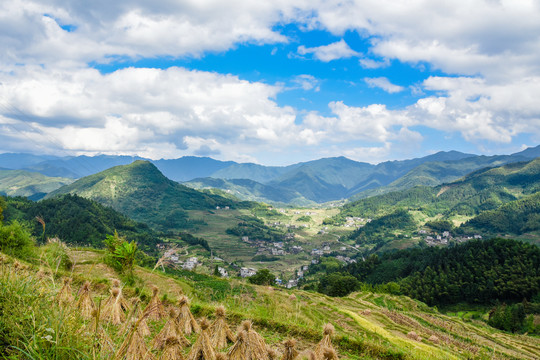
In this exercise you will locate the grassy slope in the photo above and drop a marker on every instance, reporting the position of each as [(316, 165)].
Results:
[(141, 192), (26, 183), (368, 326)]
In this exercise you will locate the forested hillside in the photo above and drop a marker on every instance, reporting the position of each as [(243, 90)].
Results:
[(486, 189), (77, 221), (141, 192), (474, 272)]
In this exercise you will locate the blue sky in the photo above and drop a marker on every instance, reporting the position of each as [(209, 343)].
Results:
[(269, 82)]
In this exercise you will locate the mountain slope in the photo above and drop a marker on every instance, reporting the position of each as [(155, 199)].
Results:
[(78, 221), (439, 172), (516, 217), (190, 167), (29, 184), (252, 190), (140, 191), (485, 189)]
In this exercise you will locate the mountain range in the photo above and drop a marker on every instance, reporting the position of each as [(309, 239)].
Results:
[(304, 184), (140, 191)]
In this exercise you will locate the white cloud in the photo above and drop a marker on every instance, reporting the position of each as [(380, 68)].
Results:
[(385, 84), (492, 49), (326, 53), (307, 82), (84, 110), (367, 63)]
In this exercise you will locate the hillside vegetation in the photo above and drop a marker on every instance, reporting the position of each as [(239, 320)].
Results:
[(141, 192), (368, 325), (486, 189), (29, 184)]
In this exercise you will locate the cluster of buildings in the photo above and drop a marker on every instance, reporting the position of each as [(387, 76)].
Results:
[(355, 222), (434, 239)]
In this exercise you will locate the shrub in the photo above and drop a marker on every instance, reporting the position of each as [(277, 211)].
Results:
[(263, 277), (15, 240)]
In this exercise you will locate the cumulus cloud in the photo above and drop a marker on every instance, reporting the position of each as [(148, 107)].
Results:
[(385, 84), (307, 82), (110, 113), (326, 53), (491, 49)]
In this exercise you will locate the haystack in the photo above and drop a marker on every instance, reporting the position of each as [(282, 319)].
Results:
[(85, 304), (309, 356), (220, 331), (137, 314), (133, 347), (221, 356), (272, 354), (185, 321), (249, 345), (290, 352), (329, 354), (172, 349), (64, 296), (112, 310), (123, 302), (155, 308), (202, 349), (434, 339), (326, 341), (239, 349), (170, 329)]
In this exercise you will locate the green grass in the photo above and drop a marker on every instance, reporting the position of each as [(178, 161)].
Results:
[(368, 325)]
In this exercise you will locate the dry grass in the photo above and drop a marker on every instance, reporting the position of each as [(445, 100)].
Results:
[(220, 330), (203, 349)]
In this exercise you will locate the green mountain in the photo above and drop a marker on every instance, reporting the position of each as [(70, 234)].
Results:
[(434, 173), (252, 190), (516, 217), (485, 189), (140, 191), (78, 221), (29, 184)]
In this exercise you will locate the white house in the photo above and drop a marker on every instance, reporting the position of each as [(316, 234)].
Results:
[(247, 272)]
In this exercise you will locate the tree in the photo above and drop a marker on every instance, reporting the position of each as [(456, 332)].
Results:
[(2, 207), (338, 284), (121, 254), (263, 277)]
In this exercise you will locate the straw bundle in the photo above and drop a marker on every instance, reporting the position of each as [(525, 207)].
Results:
[(256, 346), (239, 349), (326, 341), (64, 296), (220, 331), (155, 308), (310, 356), (221, 356), (249, 345), (85, 304), (290, 352), (112, 310), (123, 302), (185, 321), (133, 347), (434, 339), (169, 330), (272, 354), (202, 349), (330, 354), (136, 314), (172, 349)]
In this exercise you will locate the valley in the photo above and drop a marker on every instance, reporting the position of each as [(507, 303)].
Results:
[(367, 264)]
